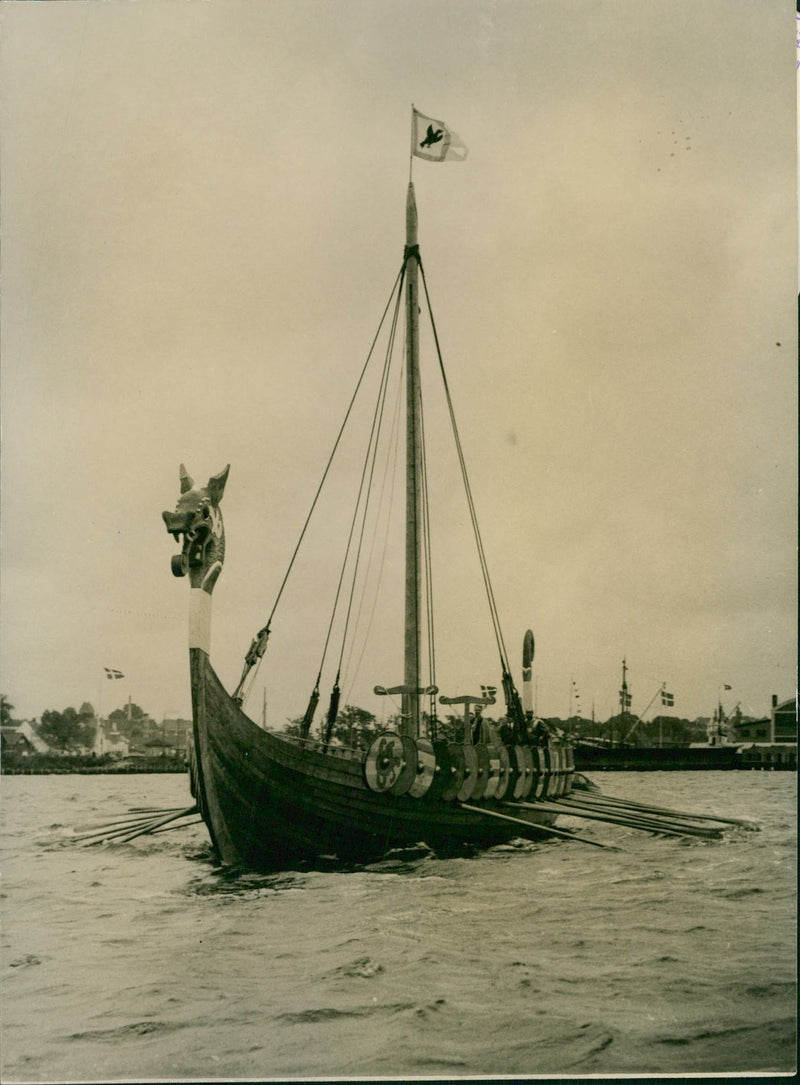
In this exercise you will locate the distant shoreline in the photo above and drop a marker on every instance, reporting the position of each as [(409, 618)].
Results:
[(96, 770)]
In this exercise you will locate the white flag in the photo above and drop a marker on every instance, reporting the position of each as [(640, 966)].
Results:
[(434, 141)]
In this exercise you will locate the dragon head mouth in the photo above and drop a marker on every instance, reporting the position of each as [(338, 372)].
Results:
[(196, 523), (190, 524)]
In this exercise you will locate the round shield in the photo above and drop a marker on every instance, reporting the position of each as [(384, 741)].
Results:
[(543, 788), (560, 771), (455, 777), (540, 776), (537, 787), (384, 761), (525, 782), (559, 766), (482, 779), (504, 774), (513, 772), (426, 769), (549, 771), (493, 778), (408, 771), (442, 774), (470, 772), (570, 762), (518, 770)]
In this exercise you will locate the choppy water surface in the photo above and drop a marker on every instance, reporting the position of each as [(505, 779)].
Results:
[(143, 961)]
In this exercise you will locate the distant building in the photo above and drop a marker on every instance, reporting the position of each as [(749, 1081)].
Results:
[(783, 719), (21, 739), (752, 731), (108, 740), (780, 726), (13, 743), (770, 742)]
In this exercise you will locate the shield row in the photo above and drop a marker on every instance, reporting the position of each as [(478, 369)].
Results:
[(401, 765)]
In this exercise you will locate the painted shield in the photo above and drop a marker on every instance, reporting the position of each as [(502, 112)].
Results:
[(442, 775), (526, 772), (470, 772), (493, 778), (426, 769), (408, 772), (570, 759), (455, 779), (514, 772), (559, 764), (549, 753), (504, 777), (383, 762), (541, 771), (482, 779)]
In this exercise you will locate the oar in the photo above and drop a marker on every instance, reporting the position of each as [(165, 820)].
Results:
[(121, 830), (183, 825), (157, 824), (120, 835), (92, 829), (536, 828), (743, 822), (646, 807), (671, 828), (635, 817), (153, 809)]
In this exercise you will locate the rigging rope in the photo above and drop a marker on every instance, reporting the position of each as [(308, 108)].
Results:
[(391, 466), (369, 468), (512, 697), (367, 475), (259, 643)]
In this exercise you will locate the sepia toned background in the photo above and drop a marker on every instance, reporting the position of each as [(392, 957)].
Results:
[(202, 217)]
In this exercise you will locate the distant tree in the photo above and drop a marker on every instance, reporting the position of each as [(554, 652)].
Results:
[(66, 730), (87, 711), (6, 708), (450, 728), (292, 727), (353, 727), (136, 713)]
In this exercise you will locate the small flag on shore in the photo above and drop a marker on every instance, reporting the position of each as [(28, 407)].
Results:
[(434, 141), (667, 699), (110, 673), (726, 686)]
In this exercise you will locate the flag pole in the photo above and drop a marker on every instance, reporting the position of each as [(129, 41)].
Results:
[(411, 148)]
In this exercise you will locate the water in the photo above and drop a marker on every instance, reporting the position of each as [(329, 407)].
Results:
[(144, 962)]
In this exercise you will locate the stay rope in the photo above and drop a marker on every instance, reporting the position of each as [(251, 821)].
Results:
[(258, 645), (358, 528), (467, 488), (364, 490)]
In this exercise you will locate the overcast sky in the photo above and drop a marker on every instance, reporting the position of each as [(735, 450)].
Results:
[(202, 217)]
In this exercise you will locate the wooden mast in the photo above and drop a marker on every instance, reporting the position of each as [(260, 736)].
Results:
[(410, 724)]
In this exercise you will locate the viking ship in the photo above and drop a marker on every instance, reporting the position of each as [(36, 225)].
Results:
[(271, 798)]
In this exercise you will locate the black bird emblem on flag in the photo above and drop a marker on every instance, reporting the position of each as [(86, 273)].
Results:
[(432, 137)]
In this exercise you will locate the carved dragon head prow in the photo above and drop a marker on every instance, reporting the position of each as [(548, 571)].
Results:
[(197, 517)]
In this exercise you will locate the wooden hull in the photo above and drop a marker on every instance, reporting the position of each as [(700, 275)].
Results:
[(269, 800)]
